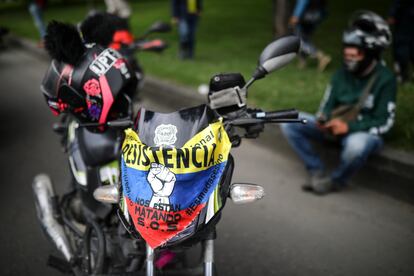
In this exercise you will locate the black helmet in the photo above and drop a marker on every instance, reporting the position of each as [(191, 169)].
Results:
[(92, 83), (369, 31)]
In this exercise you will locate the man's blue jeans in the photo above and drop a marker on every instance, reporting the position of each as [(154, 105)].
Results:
[(356, 147), (187, 27), (36, 13)]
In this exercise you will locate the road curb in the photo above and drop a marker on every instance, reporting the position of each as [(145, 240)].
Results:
[(397, 162), (27, 44)]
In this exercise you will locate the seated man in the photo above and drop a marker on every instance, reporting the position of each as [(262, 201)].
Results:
[(358, 106)]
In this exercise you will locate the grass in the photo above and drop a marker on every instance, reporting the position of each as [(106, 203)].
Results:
[(230, 38)]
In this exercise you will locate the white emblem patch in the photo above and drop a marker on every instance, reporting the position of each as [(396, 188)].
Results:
[(165, 135), (369, 102), (104, 61)]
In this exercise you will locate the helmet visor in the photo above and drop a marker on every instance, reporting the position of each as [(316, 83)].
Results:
[(52, 80)]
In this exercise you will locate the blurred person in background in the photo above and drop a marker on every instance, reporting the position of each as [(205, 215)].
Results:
[(401, 17), (307, 15), (185, 13), (357, 109), (36, 9), (3, 32), (120, 8)]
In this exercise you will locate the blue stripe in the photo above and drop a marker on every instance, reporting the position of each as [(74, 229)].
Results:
[(186, 189)]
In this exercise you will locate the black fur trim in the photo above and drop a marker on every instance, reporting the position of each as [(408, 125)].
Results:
[(100, 27), (63, 42)]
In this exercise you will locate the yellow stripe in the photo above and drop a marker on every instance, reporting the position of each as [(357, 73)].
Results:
[(207, 148), (192, 6)]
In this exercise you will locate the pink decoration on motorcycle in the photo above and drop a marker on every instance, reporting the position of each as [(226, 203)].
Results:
[(92, 87)]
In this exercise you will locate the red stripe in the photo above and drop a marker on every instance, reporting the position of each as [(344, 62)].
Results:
[(156, 230), (108, 99)]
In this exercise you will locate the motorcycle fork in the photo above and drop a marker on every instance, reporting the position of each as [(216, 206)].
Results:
[(208, 257), (150, 261)]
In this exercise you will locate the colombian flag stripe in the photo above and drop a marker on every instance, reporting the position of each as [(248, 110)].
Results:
[(206, 149), (202, 183), (157, 227)]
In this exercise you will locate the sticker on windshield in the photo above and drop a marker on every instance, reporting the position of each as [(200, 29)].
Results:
[(165, 135)]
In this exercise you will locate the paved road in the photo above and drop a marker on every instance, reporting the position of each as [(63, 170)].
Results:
[(357, 232)]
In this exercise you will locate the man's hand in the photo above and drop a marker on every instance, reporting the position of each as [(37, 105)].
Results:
[(337, 127), (321, 121), (293, 21)]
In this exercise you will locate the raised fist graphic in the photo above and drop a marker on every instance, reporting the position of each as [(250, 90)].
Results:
[(162, 182)]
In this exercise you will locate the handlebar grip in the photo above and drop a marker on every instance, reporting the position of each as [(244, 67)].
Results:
[(281, 114), (120, 123)]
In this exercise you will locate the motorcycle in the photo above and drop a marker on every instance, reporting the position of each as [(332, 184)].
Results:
[(175, 178)]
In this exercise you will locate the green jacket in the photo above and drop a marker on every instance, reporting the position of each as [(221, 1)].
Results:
[(378, 114)]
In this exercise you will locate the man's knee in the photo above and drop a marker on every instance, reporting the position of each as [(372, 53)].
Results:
[(360, 145), (299, 131), (290, 130)]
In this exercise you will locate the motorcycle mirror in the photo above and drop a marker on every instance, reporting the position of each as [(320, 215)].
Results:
[(156, 45), (159, 27), (241, 193), (276, 55), (107, 194)]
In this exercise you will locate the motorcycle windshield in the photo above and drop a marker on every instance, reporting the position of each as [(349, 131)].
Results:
[(165, 186), (173, 129)]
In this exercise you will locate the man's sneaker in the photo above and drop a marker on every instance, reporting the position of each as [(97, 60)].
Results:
[(307, 187), (321, 183), (322, 187), (314, 177), (327, 186)]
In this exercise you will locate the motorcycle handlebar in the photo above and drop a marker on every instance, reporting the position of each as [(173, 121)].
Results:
[(261, 117), (111, 124), (251, 121), (278, 115), (120, 123)]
